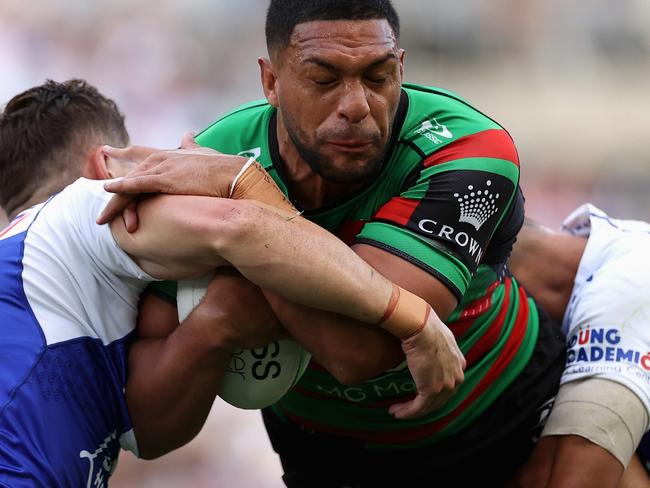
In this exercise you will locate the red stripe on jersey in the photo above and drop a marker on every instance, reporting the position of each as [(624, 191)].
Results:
[(493, 143), (473, 311), (491, 335), (510, 349), (398, 210), (13, 224)]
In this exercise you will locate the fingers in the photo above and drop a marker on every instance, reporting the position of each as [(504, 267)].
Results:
[(130, 217), (114, 208), (137, 183), (409, 410), (422, 404), (127, 190), (135, 154)]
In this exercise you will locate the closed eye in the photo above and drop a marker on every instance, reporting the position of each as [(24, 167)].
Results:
[(377, 79), (324, 82)]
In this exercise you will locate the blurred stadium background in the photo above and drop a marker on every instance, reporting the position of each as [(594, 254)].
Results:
[(570, 80)]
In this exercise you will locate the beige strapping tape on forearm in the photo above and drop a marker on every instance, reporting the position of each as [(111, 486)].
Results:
[(405, 314), (253, 183)]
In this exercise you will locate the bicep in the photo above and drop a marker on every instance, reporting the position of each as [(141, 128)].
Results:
[(176, 235)]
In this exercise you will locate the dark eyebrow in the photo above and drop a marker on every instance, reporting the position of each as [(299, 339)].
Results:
[(315, 60)]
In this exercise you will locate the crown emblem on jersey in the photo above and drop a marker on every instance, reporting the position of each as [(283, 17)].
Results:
[(476, 206)]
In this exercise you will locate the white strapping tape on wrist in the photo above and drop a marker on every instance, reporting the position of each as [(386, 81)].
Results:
[(243, 169)]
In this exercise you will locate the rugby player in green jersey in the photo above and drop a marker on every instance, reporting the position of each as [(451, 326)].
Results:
[(425, 188)]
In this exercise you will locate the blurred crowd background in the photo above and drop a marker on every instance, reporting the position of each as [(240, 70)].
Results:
[(569, 79)]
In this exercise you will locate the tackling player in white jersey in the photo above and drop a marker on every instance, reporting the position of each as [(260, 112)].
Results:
[(594, 277)]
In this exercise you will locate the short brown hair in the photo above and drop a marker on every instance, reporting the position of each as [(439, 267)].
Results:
[(46, 131), (282, 16)]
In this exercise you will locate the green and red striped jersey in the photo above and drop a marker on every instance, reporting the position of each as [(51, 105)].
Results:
[(448, 200)]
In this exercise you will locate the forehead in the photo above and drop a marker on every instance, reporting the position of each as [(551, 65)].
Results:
[(347, 39)]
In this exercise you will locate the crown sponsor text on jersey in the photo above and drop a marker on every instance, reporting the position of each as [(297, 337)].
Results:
[(448, 232)]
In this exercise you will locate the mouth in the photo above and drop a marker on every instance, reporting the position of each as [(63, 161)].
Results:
[(351, 145)]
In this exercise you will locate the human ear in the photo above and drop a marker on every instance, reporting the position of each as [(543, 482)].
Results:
[(96, 165), (401, 55), (106, 167), (269, 80)]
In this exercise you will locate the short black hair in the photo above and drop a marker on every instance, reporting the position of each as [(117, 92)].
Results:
[(44, 132), (283, 15)]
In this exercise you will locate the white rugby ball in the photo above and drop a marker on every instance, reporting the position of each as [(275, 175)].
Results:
[(254, 378)]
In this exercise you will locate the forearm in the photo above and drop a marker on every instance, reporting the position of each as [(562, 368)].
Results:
[(297, 259), (185, 236), (348, 349), (172, 384), (325, 273)]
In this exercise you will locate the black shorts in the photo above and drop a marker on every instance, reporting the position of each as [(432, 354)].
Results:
[(486, 453)]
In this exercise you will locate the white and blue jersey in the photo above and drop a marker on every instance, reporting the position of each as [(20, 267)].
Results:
[(607, 320), (68, 306)]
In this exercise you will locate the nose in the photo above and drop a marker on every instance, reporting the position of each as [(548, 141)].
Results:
[(353, 104)]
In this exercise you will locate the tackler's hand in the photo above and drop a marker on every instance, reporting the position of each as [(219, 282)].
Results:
[(189, 170)]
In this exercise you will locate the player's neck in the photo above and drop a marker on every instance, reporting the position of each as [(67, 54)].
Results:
[(308, 189), (38, 197), (45, 191)]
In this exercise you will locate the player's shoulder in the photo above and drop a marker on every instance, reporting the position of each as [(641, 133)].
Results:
[(79, 196), (440, 122), (74, 209), (437, 117), (243, 130), (428, 102)]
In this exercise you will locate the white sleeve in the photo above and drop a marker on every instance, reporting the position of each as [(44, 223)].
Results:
[(79, 282), (85, 203)]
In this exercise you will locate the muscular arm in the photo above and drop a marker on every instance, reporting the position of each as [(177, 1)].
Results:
[(262, 244), (351, 350), (175, 372), (292, 257), (169, 363), (168, 405)]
